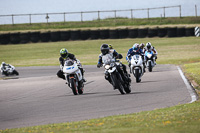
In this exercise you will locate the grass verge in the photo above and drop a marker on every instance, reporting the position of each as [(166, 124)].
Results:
[(179, 51), (110, 22)]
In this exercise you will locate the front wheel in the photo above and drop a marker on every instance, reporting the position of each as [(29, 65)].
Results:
[(137, 75), (117, 83), (80, 88), (73, 86), (150, 67)]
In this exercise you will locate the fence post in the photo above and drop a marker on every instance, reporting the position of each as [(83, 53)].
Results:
[(47, 17), (148, 13), (115, 13), (131, 13), (164, 12), (30, 18), (81, 16), (12, 19), (180, 10), (98, 15), (64, 17), (196, 10)]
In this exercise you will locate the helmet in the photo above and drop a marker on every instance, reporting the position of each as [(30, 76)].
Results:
[(142, 45), (110, 46), (148, 45), (104, 49), (3, 63), (136, 45), (64, 53)]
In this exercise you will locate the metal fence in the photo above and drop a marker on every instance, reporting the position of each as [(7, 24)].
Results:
[(91, 15)]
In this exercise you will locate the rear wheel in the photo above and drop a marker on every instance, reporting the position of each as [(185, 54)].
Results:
[(15, 72), (73, 86)]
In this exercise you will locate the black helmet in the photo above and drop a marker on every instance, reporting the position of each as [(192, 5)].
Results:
[(105, 49)]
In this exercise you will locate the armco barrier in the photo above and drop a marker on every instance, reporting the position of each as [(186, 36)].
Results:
[(123, 33), (85, 34), (64, 35), (189, 31), (152, 32), (180, 32), (24, 37), (104, 34), (5, 38), (35, 36), (45, 36), (14, 38), (94, 34), (55, 36), (133, 33), (142, 32), (162, 32), (113, 33), (75, 35), (172, 31)]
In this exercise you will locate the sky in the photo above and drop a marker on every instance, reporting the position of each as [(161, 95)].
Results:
[(51, 6)]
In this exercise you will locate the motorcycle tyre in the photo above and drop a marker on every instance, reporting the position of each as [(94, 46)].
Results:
[(80, 89), (73, 86), (127, 89), (150, 67), (118, 84), (137, 76), (15, 72)]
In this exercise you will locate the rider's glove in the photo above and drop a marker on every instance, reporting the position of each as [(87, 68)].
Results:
[(98, 65)]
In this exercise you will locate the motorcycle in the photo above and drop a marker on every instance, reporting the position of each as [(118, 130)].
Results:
[(137, 67), (150, 60), (73, 76), (110, 66), (9, 70)]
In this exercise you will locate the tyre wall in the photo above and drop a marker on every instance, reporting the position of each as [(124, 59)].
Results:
[(65, 35)]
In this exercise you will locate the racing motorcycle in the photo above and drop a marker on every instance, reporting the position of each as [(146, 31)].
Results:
[(137, 67), (110, 64), (73, 76), (150, 60), (9, 70)]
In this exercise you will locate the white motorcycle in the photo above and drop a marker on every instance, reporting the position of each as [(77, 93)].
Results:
[(9, 70), (110, 66), (150, 60), (137, 67), (73, 76)]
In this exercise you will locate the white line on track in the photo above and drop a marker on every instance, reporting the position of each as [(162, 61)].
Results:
[(190, 89)]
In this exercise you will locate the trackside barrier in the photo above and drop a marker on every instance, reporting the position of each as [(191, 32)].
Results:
[(65, 35)]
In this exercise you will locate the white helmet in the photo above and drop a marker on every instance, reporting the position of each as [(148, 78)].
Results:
[(148, 45), (136, 45)]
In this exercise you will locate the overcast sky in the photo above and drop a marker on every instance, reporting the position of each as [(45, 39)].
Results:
[(49, 6)]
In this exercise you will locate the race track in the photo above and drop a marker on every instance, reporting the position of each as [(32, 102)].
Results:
[(38, 97)]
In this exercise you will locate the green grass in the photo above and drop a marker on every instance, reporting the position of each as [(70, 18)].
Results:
[(183, 51), (110, 22), (170, 51)]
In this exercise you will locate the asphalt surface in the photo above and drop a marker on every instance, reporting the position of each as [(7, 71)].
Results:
[(38, 97)]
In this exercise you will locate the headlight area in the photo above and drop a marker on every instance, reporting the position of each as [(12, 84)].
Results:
[(107, 66)]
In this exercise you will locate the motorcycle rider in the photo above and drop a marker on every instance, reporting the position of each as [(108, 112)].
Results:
[(3, 68), (142, 49), (149, 47), (108, 49), (65, 55), (133, 51)]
